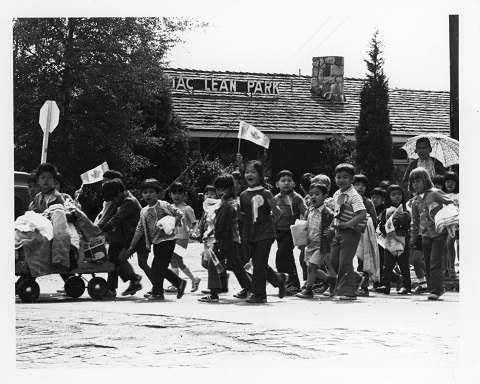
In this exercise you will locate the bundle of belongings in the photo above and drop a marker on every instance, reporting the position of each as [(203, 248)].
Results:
[(447, 217), (56, 240)]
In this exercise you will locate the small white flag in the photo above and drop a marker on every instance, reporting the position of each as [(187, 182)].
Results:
[(95, 174), (250, 133)]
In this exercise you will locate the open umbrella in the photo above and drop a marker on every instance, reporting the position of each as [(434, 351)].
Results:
[(444, 148)]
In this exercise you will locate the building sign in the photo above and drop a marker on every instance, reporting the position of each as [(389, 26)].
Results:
[(215, 84)]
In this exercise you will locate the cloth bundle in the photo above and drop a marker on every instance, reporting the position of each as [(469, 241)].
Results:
[(447, 217)]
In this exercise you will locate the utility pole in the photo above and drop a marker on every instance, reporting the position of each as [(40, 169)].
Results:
[(454, 107), (454, 120)]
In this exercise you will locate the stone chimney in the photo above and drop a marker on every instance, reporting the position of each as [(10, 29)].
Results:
[(327, 78)]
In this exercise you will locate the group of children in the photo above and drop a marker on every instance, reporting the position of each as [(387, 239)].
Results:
[(242, 219)]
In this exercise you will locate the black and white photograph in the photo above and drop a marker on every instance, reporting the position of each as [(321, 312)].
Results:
[(240, 191)]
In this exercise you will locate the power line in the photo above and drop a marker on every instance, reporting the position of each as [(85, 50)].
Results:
[(304, 44), (331, 33)]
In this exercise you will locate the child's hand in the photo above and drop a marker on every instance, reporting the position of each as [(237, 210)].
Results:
[(343, 226)]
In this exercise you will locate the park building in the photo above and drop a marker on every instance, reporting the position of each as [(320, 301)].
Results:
[(296, 112)]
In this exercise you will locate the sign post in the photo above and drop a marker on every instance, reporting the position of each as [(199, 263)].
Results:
[(49, 114)]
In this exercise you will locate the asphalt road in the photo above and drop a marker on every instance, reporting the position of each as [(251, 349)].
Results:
[(377, 339)]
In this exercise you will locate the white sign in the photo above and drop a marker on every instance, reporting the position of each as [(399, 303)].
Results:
[(49, 115), (48, 120)]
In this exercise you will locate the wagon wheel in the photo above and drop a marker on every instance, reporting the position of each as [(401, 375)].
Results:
[(97, 288), (74, 286), (28, 291)]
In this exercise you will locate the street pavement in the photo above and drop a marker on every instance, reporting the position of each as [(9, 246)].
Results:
[(378, 338)]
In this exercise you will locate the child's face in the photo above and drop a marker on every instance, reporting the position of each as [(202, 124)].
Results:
[(316, 197), (150, 196), (437, 185), (285, 184), (33, 189), (423, 150), (450, 185), (209, 195), (418, 185), (223, 193), (46, 181), (177, 197), (377, 200), (252, 176), (396, 198), (343, 180), (237, 187), (360, 188)]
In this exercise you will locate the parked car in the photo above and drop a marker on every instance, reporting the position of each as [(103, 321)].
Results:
[(22, 198)]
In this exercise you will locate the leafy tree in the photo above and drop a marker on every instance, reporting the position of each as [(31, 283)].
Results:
[(373, 132), (106, 76), (335, 150)]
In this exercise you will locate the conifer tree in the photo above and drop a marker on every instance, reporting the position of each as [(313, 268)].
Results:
[(373, 132)]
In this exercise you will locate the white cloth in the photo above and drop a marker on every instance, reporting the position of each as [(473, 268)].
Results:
[(32, 221), (167, 223), (447, 217)]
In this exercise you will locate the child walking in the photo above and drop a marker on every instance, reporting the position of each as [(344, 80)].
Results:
[(125, 221), (163, 243), (361, 185), (451, 188), (227, 243), (349, 218), (257, 204), (291, 205), (394, 225), (177, 194), (425, 206), (317, 250)]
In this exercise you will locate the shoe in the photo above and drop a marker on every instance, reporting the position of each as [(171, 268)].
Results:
[(291, 290), (383, 289), (363, 291), (147, 294), (422, 288), (347, 298), (134, 286), (181, 289), (61, 290), (205, 291), (435, 296), (404, 291), (330, 292), (282, 289), (305, 294), (209, 299), (399, 283), (171, 289), (110, 293), (155, 297), (243, 294), (319, 288), (256, 299), (195, 284)]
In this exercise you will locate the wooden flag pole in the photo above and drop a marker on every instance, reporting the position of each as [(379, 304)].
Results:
[(239, 139)]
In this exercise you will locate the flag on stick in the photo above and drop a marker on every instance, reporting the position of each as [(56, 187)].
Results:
[(250, 133), (95, 174)]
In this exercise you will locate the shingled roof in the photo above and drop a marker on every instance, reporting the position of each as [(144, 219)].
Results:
[(295, 112)]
